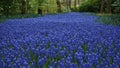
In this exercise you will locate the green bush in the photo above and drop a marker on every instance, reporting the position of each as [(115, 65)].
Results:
[(75, 9), (90, 6)]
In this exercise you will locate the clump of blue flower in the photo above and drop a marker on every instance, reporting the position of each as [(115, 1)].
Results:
[(71, 40)]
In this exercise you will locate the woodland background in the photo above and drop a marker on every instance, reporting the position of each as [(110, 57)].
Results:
[(15, 7)]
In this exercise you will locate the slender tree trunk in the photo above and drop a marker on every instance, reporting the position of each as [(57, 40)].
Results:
[(108, 7), (67, 5), (102, 6), (70, 4), (75, 3), (40, 11), (8, 7), (58, 6), (106, 4), (23, 11), (78, 2)]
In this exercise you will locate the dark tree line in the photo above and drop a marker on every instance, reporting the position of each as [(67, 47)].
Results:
[(12, 7)]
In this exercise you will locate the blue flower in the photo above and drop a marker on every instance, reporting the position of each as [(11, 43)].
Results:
[(58, 40)]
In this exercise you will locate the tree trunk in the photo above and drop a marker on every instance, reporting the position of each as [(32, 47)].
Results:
[(58, 6), (102, 5), (67, 5), (24, 7), (40, 11), (70, 4), (75, 3), (108, 7), (105, 4), (78, 2)]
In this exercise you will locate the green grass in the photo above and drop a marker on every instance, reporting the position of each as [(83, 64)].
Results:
[(111, 60), (113, 19), (85, 48), (19, 16), (46, 65), (2, 18), (48, 45)]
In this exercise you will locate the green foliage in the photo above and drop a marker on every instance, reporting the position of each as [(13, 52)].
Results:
[(33, 6), (49, 6), (12, 8), (9, 7), (110, 19), (48, 62), (111, 60), (90, 6), (115, 6), (48, 45), (75, 9), (85, 48)]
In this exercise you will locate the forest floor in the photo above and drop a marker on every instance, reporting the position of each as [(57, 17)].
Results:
[(70, 40)]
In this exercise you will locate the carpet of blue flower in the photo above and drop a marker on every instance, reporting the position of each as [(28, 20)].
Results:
[(71, 40)]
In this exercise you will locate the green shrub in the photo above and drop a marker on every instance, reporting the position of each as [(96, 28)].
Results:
[(90, 6), (75, 9)]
